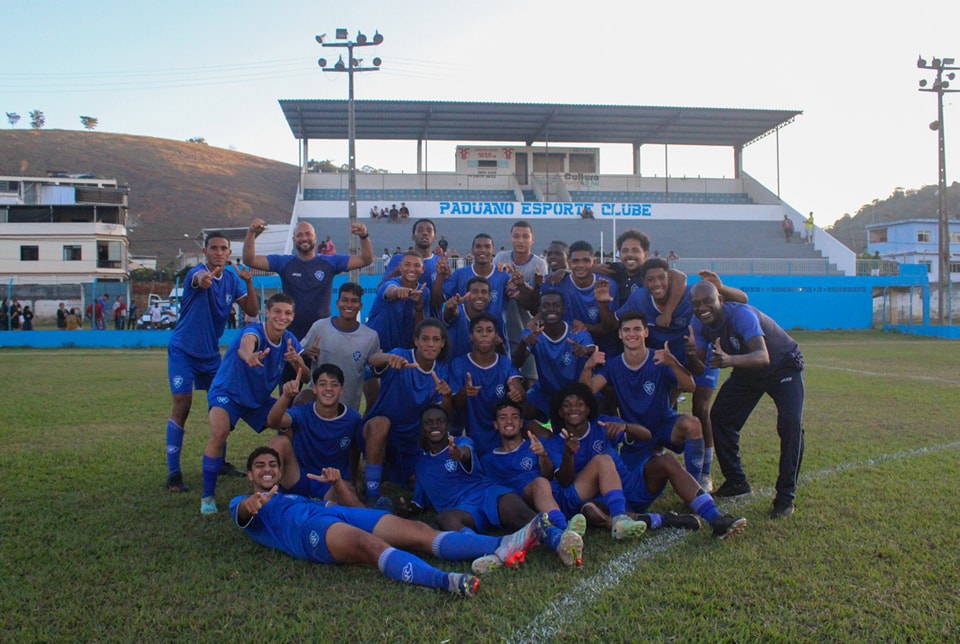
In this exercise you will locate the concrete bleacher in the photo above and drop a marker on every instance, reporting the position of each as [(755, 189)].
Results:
[(646, 196), (388, 196), (761, 240)]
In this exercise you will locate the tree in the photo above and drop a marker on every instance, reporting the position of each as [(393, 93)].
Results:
[(90, 122), (13, 118), (37, 120), (197, 139), (321, 166)]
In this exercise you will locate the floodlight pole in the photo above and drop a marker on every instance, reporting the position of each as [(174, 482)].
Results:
[(352, 65), (940, 87)]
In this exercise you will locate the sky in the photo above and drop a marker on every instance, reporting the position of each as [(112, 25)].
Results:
[(216, 70)]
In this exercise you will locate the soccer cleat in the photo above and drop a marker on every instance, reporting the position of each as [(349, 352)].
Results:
[(706, 483), (486, 564), (570, 550), (229, 470), (727, 525), (782, 510), (208, 505), (578, 524), (463, 584), (512, 550), (681, 521), (175, 483), (624, 527), (731, 490)]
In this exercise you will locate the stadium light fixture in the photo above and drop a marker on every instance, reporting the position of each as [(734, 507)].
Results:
[(941, 87), (356, 65)]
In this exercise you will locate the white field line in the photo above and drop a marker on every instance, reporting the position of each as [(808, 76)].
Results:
[(567, 608), (889, 374)]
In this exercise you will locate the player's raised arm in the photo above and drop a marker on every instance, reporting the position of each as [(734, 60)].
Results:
[(250, 257)]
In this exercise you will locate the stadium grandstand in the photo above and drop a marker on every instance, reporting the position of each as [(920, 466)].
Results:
[(540, 162)]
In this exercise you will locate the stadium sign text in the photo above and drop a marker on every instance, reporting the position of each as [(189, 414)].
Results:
[(548, 208)]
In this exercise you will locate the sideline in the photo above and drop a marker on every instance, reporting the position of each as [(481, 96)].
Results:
[(887, 374), (570, 606)]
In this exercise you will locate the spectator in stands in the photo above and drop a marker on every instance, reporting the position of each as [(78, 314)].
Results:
[(394, 214), (62, 316), (787, 226), (322, 247), (672, 256), (586, 212), (374, 213), (443, 244), (808, 225), (404, 211), (386, 254)]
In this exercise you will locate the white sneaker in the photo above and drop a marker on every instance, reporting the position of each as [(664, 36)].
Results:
[(706, 483)]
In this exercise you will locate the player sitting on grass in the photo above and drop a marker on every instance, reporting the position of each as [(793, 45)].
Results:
[(515, 465), (316, 435), (450, 480), (252, 368), (315, 531)]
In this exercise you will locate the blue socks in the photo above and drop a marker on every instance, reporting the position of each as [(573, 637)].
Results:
[(211, 470), (407, 568), (616, 502), (693, 456), (705, 506), (373, 474), (463, 545), (554, 535), (174, 445), (557, 519), (707, 460)]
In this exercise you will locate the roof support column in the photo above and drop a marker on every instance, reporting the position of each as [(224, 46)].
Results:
[(636, 160), (419, 156), (737, 161), (304, 159)]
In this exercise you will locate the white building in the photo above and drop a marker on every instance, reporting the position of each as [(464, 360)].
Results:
[(63, 229)]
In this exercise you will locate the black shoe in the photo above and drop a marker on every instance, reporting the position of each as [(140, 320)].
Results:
[(730, 490), (728, 525), (175, 483), (681, 521), (782, 510), (229, 470)]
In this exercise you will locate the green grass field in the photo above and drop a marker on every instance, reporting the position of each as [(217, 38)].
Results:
[(94, 548)]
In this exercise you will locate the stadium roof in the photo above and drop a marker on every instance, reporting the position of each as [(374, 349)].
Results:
[(532, 122)]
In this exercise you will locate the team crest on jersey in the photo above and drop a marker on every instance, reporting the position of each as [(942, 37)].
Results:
[(566, 358), (598, 446), (319, 275), (229, 297), (223, 400), (408, 573), (526, 463), (494, 296), (314, 538), (593, 312), (357, 356), (501, 390), (735, 344), (178, 381), (345, 442), (450, 465), (649, 387)]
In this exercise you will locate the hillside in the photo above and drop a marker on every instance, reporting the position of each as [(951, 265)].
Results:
[(902, 204), (176, 187)]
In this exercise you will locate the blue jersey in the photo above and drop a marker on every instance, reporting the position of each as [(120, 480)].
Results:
[(515, 469), (280, 522), (458, 334), (406, 393), (580, 303), (492, 381), (204, 312), (310, 284), (626, 283), (641, 300), (324, 442), (444, 484), (593, 442), (248, 386), (393, 319), (741, 322), (556, 364), (643, 393), (429, 269), (456, 284)]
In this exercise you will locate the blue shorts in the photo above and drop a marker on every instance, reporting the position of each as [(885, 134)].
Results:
[(567, 498), (539, 400), (187, 373), (308, 487), (256, 417), (484, 507), (661, 433), (709, 378), (639, 498), (315, 534)]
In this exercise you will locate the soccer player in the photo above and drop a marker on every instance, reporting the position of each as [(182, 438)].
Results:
[(315, 436), (252, 368), (411, 380), (482, 378), (765, 360), (314, 531), (559, 352), (423, 235), (633, 247), (520, 259), (586, 295), (306, 276), (514, 464), (643, 381), (483, 266), (193, 354), (344, 341), (460, 310), (398, 307)]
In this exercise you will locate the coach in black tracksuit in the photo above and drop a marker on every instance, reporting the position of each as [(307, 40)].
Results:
[(765, 360)]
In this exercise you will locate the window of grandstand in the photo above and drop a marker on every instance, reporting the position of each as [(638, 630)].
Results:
[(72, 254), (583, 163), (955, 238), (29, 253), (540, 163), (923, 235), (955, 267), (878, 235)]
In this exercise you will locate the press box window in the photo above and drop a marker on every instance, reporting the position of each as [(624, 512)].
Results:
[(29, 253)]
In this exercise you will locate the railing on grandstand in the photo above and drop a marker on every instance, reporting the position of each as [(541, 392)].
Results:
[(877, 267)]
